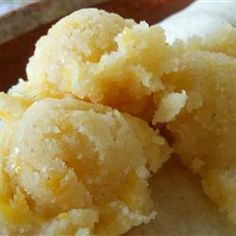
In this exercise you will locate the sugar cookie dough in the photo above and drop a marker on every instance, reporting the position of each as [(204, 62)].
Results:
[(103, 58), (76, 157), (204, 131), (70, 167)]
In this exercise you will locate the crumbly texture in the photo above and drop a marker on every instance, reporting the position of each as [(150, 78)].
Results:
[(102, 58), (70, 167), (99, 154), (169, 106), (204, 131), (79, 168), (222, 40)]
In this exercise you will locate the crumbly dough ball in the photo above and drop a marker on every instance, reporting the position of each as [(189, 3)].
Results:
[(169, 107), (204, 130), (209, 80), (99, 154), (75, 167), (100, 57)]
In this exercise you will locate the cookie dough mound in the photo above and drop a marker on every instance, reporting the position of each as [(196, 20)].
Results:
[(204, 131), (102, 58), (74, 167)]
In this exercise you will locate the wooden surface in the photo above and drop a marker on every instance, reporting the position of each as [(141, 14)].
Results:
[(15, 53)]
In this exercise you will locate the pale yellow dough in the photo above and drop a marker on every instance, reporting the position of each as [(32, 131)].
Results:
[(70, 167), (56, 150), (80, 168), (205, 129), (103, 58), (197, 106)]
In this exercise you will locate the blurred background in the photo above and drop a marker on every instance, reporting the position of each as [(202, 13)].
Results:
[(10, 5)]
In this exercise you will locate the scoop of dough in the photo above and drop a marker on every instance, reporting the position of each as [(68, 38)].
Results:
[(204, 131), (74, 167), (100, 57), (221, 40)]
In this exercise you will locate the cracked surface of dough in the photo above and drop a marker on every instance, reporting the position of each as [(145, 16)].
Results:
[(205, 129), (103, 58), (73, 167)]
